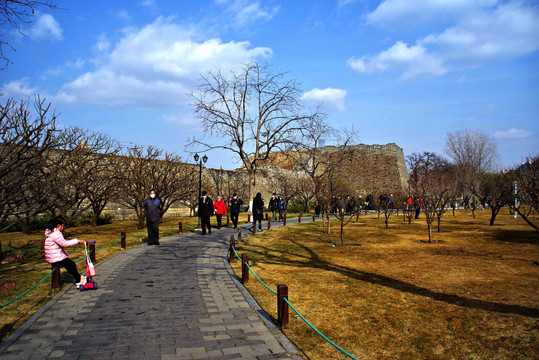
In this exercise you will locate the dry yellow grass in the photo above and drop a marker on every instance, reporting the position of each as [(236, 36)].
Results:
[(474, 295)]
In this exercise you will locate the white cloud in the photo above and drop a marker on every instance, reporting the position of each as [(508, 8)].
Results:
[(413, 60), (330, 97), (45, 28), (124, 15), (478, 32), (247, 12), (155, 67), (19, 89), (406, 13), (148, 3), (513, 134)]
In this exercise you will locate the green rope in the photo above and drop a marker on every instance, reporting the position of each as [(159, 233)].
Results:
[(106, 246), (32, 288), (319, 333), (267, 287), (236, 253)]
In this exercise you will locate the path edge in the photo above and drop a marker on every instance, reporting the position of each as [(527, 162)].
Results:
[(263, 315)]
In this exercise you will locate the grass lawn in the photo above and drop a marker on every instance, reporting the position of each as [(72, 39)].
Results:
[(473, 295)]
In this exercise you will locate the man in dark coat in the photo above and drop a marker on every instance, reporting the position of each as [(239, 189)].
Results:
[(235, 204), (274, 206), (152, 206), (205, 211)]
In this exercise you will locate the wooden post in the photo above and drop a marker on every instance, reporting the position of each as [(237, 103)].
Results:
[(314, 217), (231, 250), (91, 249), (254, 228), (55, 285), (180, 228), (269, 224), (122, 240), (244, 268), (299, 218), (282, 306), (284, 220), (248, 218), (239, 234), (227, 220)]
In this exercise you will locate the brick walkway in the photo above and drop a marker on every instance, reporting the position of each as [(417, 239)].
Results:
[(178, 300)]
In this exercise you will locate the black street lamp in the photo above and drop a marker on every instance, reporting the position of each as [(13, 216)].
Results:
[(203, 160)]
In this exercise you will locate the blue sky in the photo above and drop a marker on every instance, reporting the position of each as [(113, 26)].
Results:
[(401, 71)]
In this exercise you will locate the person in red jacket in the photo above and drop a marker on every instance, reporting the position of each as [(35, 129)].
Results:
[(219, 209)]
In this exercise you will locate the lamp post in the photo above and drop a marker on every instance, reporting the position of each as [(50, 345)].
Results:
[(203, 160)]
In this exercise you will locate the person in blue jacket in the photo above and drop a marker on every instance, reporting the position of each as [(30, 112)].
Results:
[(282, 207), (152, 206)]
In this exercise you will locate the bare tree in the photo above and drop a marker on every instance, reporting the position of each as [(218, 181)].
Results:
[(253, 112), (526, 179), (431, 183), (494, 190), (474, 153), (26, 139), (84, 165), (138, 167), (173, 180), (284, 182), (15, 13), (150, 168)]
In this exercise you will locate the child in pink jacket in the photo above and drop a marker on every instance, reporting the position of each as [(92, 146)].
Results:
[(54, 249)]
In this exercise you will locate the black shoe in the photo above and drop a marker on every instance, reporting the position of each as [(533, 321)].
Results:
[(203, 233)]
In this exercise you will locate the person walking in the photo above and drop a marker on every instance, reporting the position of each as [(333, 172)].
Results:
[(235, 204), (152, 207), (282, 207), (258, 210), (205, 211), (274, 206), (55, 253), (219, 208)]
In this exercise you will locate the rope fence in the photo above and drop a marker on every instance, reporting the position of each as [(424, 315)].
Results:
[(282, 290)]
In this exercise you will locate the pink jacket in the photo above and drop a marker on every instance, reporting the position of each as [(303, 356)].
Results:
[(54, 244)]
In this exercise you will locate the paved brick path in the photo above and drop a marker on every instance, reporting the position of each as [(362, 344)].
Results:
[(173, 301)]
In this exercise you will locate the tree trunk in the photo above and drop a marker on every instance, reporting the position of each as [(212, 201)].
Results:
[(252, 183), (429, 225), (493, 215), (439, 218), (329, 224), (342, 230)]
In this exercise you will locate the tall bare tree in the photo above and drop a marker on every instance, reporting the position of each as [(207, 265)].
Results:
[(251, 113), (474, 153)]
